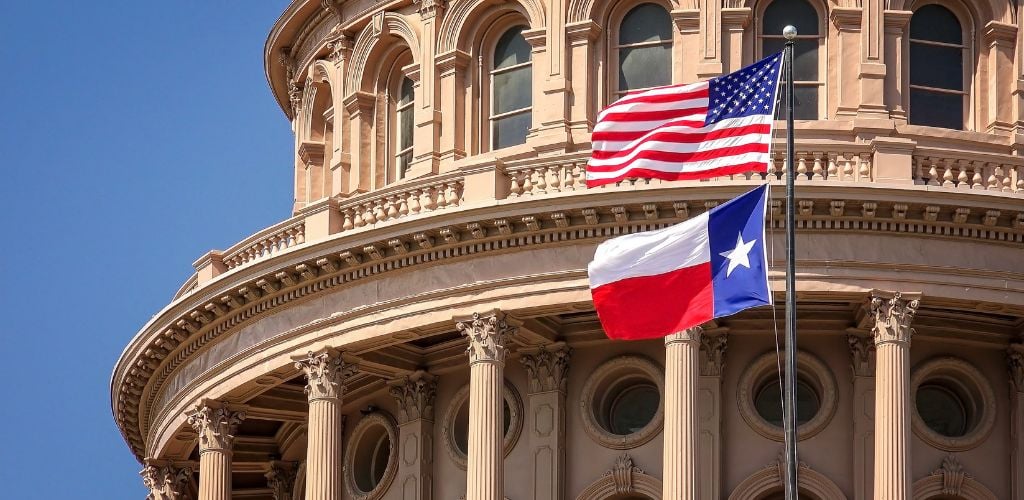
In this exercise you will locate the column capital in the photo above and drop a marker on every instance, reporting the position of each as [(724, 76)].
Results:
[(712, 354), (1015, 366), (280, 479), (326, 373), (166, 482), (547, 367), (216, 424), (685, 336), (862, 350), (414, 394), (892, 313), (489, 334), (431, 8)]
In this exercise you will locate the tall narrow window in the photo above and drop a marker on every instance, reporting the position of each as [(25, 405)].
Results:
[(644, 49), (936, 68), (403, 128), (806, 49), (511, 90)]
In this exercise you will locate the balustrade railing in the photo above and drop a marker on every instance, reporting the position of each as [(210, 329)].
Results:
[(266, 243), (961, 172), (401, 200)]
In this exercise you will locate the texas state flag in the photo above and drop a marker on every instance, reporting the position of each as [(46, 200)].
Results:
[(657, 283)]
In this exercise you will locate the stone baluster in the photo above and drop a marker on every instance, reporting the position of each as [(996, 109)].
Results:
[(816, 169), (864, 170), (947, 173), (832, 172), (216, 424), (682, 356), (713, 344), (1015, 366), (326, 375), (167, 482), (862, 351), (280, 479), (933, 172), (414, 394), (891, 314), (548, 369), (976, 179), (515, 187), (489, 335), (962, 180)]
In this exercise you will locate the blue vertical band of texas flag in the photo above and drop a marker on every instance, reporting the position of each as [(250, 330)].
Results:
[(737, 228), (749, 91)]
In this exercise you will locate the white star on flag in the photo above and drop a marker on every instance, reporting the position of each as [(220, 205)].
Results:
[(738, 256)]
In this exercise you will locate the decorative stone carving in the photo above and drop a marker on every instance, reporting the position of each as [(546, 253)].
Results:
[(216, 425), (974, 388), (1015, 366), (892, 314), (167, 482), (488, 336), (862, 349), (339, 48), (415, 396), (622, 473), (281, 480), (712, 354), (952, 474), (547, 366), (431, 8), (294, 97), (326, 373)]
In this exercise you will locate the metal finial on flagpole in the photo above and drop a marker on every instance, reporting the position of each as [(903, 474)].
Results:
[(789, 416)]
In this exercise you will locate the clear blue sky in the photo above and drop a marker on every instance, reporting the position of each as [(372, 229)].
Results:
[(134, 137)]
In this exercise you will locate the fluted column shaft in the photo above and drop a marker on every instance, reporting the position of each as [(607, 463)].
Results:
[(892, 314), (326, 374), (682, 357), (216, 425), (488, 335)]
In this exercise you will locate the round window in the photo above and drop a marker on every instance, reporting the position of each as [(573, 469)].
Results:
[(621, 402), (759, 396), (942, 410), (370, 459), (456, 423), (768, 402)]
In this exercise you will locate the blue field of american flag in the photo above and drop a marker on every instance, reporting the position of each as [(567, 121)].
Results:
[(692, 131)]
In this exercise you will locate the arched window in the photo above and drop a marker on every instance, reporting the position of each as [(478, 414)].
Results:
[(643, 53), (403, 127), (936, 68), (511, 90), (807, 65)]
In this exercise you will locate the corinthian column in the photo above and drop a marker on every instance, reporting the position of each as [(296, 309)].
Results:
[(326, 374), (488, 335), (548, 369), (415, 397), (892, 314), (1015, 364), (167, 482), (216, 425), (682, 357), (280, 479)]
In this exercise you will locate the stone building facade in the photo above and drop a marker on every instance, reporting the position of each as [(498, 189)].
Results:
[(421, 326)]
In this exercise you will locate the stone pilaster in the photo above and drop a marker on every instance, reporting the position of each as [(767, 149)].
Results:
[(862, 352), (326, 374), (488, 337), (216, 425), (427, 112), (167, 482), (548, 370), (892, 314), (682, 356), (1015, 365), (709, 422), (281, 479), (415, 397)]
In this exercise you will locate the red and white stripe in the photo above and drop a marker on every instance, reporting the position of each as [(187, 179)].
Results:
[(660, 133)]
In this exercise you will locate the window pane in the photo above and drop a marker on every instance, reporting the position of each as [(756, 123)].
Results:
[(403, 163), (405, 93), (633, 409), (404, 128), (936, 23), (768, 403), (641, 67), (934, 66), (806, 97), (511, 49), (936, 109), (799, 13), (645, 23), (941, 410), (512, 90), (511, 130), (805, 56)]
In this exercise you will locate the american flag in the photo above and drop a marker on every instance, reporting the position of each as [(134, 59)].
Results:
[(692, 131)]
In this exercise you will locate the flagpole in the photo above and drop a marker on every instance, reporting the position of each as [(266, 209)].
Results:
[(789, 417)]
